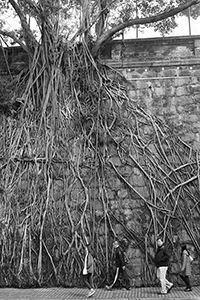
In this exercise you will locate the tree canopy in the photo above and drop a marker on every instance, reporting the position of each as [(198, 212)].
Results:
[(98, 20)]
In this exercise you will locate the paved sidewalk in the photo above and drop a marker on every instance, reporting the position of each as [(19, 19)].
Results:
[(150, 293)]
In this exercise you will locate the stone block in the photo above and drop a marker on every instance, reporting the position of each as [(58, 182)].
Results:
[(181, 91), (196, 147), (122, 193), (136, 180)]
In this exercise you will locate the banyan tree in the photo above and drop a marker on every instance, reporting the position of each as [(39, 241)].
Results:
[(79, 160)]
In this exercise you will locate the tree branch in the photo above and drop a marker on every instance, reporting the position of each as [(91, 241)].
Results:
[(140, 21), (28, 35), (15, 39)]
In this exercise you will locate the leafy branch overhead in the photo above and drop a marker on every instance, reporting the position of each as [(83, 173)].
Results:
[(100, 19)]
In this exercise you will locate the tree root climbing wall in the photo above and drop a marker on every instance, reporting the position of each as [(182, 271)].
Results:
[(80, 162)]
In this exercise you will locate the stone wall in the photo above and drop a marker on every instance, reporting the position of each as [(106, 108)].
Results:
[(12, 60), (162, 76)]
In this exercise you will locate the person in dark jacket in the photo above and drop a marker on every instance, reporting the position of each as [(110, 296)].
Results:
[(162, 262), (120, 267), (186, 268)]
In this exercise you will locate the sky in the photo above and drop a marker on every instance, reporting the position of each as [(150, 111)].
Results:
[(181, 30)]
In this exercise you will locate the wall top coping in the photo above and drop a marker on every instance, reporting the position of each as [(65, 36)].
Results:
[(161, 39), (128, 53), (179, 50), (126, 63)]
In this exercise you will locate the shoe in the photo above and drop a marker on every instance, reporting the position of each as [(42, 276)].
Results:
[(107, 287), (92, 291), (126, 288), (162, 293), (188, 290), (169, 289)]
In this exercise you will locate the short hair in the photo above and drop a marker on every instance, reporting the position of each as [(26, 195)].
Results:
[(184, 247), (159, 238), (116, 241)]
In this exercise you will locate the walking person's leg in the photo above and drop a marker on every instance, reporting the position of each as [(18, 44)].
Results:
[(161, 278), (184, 279), (108, 287), (169, 284), (158, 274), (163, 271), (86, 279), (90, 280), (188, 285), (126, 280)]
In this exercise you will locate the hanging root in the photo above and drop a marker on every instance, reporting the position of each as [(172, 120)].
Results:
[(80, 164)]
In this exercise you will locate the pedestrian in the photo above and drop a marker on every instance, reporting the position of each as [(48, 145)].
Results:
[(120, 268), (162, 262), (88, 269), (186, 268)]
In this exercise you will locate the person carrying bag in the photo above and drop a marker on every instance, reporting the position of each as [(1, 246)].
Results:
[(88, 270), (186, 267)]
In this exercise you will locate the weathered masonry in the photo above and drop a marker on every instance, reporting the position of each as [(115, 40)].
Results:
[(163, 77)]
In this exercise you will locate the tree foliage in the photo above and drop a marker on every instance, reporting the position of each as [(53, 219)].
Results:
[(99, 19), (194, 12)]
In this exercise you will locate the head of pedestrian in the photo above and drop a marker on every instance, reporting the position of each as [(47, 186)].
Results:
[(115, 244), (159, 242), (184, 247), (89, 246)]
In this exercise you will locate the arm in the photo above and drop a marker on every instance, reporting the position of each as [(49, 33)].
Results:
[(165, 256), (184, 262), (121, 255)]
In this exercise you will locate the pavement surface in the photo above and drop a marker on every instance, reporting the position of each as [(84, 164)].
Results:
[(150, 293)]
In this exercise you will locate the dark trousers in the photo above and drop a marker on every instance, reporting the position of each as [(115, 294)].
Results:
[(88, 280), (125, 281), (186, 279)]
